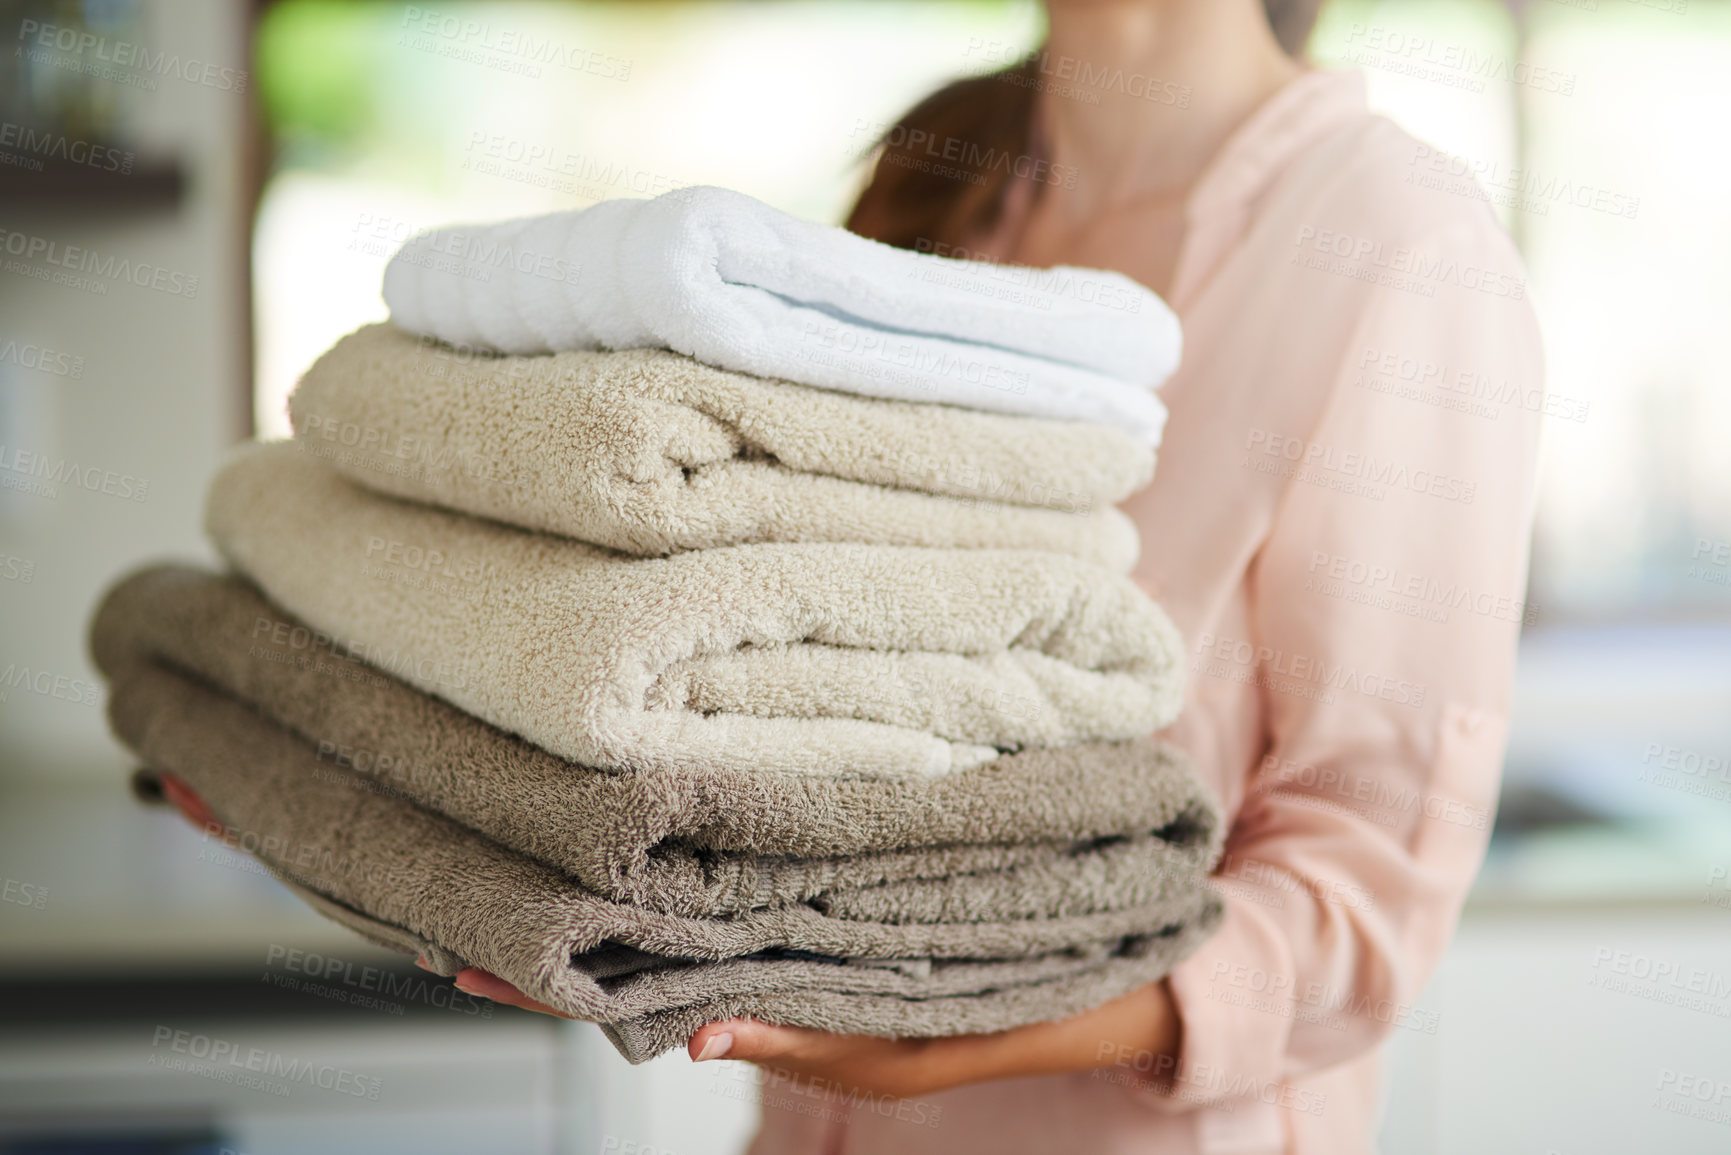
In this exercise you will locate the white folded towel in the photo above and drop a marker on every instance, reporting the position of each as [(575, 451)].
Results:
[(733, 282)]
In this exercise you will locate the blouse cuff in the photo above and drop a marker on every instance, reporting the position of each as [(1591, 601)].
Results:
[(1235, 999)]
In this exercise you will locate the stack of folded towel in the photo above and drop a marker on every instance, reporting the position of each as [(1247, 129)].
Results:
[(670, 689)]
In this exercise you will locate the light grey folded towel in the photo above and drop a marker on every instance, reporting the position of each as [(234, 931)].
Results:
[(650, 452), (414, 880), (780, 658), (1040, 833)]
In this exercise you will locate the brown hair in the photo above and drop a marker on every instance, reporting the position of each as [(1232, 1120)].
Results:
[(917, 198)]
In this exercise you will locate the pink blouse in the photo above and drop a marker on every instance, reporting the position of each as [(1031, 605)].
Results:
[(1338, 524)]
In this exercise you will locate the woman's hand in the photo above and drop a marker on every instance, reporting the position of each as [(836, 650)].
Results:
[(1134, 1028), (1141, 1023)]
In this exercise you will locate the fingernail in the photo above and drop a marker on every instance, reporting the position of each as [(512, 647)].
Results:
[(715, 1047)]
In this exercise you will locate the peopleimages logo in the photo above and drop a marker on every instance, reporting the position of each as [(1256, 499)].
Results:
[(1244, 661), (969, 157), (1085, 286), (478, 256), (367, 987), (107, 58), (42, 359), (399, 453), (47, 684), (24, 894), (503, 49), (1388, 586), (227, 1061), (1461, 389), (78, 260), (901, 359), (38, 473), (1456, 65), (1521, 186), (410, 667), (1073, 77), (1367, 257), (59, 146), (552, 166), (390, 552), (1363, 473), (1379, 801), (1201, 1082)]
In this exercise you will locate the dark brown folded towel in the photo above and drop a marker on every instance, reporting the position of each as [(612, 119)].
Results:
[(1042, 833), (416, 880)]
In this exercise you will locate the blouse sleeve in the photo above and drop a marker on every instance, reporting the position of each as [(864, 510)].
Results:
[(1384, 610)]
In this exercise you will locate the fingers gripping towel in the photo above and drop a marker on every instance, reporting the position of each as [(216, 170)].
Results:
[(1042, 833), (415, 881), (810, 658), (650, 452), (735, 283)]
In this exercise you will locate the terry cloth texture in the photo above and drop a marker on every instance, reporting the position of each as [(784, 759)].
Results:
[(1042, 833), (650, 452), (812, 658), (734, 283), (415, 880)]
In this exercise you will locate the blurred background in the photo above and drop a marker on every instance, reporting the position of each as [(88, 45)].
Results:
[(238, 173)]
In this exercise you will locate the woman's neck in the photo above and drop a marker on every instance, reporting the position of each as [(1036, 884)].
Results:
[(1140, 95)]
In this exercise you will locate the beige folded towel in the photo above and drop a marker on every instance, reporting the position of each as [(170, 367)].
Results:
[(808, 658), (1040, 833), (416, 881), (649, 452)]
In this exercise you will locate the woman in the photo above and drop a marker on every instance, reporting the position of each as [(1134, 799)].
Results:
[(1343, 550)]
